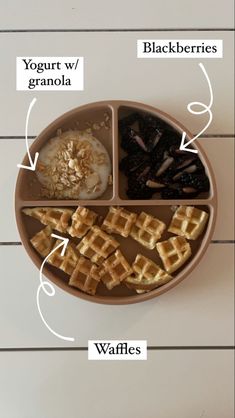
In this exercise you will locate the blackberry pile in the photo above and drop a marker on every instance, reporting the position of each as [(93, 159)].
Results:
[(155, 164)]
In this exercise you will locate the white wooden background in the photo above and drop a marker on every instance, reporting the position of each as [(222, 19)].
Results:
[(192, 374), (123, 14)]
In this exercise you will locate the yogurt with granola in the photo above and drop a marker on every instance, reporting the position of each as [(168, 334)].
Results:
[(73, 165)]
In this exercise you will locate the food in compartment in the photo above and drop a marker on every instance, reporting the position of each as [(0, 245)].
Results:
[(119, 221), (85, 276), (147, 275), (174, 252), (66, 262), (82, 220), (188, 222), (97, 245), (43, 241), (154, 162), (96, 257), (114, 270), (73, 165), (57, 218), (147, 230)]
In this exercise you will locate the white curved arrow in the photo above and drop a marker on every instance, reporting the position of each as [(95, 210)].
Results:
[(32, 163), (205, 109), (48, 288)]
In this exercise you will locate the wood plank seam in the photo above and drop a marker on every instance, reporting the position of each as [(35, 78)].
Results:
[(149, 348), (118, 30)]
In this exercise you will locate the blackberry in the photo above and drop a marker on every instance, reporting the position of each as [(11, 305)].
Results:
[(170, 193), (137, 188), (167, 177), (127, 142), (167, 139), (153, 122), (171, 175), (124, 165), (153, 153), (127, 121), (135, 191), (132, 162), (200, 182), (173, 149)]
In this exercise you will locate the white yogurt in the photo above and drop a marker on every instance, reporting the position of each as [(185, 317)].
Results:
[(99, 170)]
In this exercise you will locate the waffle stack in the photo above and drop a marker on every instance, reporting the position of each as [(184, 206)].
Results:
[(82, 220)]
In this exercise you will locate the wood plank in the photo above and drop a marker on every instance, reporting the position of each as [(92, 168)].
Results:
[(169, 384), (112, 71), (219, 150), (199, 311), (121, 14)]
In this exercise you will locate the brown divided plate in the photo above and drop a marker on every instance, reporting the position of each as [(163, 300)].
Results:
[(27, 195)]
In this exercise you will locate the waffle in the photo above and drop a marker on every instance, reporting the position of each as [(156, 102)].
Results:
[(82, 221), (85, 276), (97, 245), (188, 222), (114, 270), (147, 230), (147, 275), (119, 221), (57, 218), (174, 252), (43, 241), (66, 262)]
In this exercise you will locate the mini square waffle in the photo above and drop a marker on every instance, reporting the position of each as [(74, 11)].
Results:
[(97, 245), (174, 252), (85, 276), (188, 222), (147, 275), (57, 218), (114, 270), (147, 230), (119, 221), (82, 220), (43, 241), (66, 262)]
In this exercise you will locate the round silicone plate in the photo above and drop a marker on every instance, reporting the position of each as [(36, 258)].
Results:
[(27, 194)]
